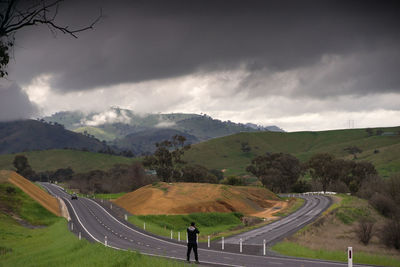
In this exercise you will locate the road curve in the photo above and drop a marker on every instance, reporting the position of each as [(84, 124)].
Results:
[(314, 205), (97, 224)]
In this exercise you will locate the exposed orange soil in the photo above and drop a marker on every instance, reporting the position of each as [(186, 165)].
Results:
[(184, 198), (43, 198)]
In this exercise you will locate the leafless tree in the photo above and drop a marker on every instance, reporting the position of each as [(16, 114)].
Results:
[(18, 14), (364, 230)]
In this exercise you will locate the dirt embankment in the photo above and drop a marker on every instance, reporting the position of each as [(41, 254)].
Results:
[(184, 198), (43, 198)]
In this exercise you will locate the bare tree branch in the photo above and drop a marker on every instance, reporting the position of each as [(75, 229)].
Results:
[(15, 16)]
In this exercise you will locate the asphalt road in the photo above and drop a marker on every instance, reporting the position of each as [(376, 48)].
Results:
[(314, 205), (96, 223)]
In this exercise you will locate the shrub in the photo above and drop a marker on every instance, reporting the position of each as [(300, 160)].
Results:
[(364, 230), (383, 204), (233, 180), (390, 234)]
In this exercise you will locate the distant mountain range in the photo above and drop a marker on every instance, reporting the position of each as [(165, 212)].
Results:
[(125, 129), (26, 135)]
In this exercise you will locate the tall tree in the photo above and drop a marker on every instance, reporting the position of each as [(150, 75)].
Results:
[(278, 171), (325, 169), (167, 159), (23, 168), (18, 14)]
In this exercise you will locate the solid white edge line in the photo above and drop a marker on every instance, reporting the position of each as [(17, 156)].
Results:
[(215, 251), (144, 253)]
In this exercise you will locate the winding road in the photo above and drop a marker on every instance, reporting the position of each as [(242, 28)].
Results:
[(97, 223)]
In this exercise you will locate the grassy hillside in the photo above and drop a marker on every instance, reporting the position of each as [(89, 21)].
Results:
[(79, 161), (99, 133), (226, 153), (26, 135), (22, 243)]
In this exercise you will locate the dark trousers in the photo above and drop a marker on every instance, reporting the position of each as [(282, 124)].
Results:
[(189, 249)]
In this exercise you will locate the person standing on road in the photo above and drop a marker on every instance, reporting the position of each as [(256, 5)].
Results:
[(192, 233)]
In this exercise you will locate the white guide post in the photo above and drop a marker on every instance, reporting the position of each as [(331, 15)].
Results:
[(179, 236), (208, 241), (126, 217), (144, 226), (72, 226), (223, 246), (264, 247), (350, 256), (80, 236), (105, 241), (111, 206), (241, 245), (171, 234)]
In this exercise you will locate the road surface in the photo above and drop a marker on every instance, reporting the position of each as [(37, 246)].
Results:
[(271, 233), (97, 224)]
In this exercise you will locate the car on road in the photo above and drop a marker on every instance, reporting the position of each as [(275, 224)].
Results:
[(74, 196)]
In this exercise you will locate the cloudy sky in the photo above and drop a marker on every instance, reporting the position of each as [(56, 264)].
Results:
[(301, 65)]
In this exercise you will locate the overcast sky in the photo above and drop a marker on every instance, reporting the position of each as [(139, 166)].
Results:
[(300, 65)]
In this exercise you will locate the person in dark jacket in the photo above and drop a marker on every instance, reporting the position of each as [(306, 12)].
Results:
[(192, 233)]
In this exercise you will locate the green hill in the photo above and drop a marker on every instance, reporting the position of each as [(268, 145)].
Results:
[(79, 161), (25, 135), (226, 153)]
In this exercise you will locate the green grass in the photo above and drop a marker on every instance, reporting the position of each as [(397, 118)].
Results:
[(226, 153), (97, 132), (15, 201), (100, 196), (54, 245), (293, 249), (79, 161), (207, 223), (296, 205)]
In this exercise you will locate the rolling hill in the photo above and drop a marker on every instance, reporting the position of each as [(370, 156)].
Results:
[(116, 126), (382, 150), (144, 141), (26, 135), (79, 161), (185, 198)]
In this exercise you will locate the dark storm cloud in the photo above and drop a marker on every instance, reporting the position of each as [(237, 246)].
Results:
[(14, 103), (146, 40)]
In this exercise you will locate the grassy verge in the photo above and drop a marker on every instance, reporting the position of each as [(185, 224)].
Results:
[(293, 249), (53, 245), (215, 225), (294, 204), (110, 196), (208, 223)]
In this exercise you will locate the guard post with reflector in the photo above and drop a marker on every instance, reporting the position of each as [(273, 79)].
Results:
[(350, 256)]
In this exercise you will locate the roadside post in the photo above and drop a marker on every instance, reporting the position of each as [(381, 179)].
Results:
[(72, 226), (144, 226), (171, 234), (111, 206), (264, 247), (208, 241), (241, 243), (105, 241), (126, 217), (80, 236), (179, 236), (223, 243), (350, 256)]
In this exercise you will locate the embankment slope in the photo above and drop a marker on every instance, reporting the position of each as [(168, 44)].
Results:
[(43, 198), (185, 198)]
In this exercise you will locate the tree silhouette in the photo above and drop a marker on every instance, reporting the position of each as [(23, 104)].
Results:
[(16, 14)]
